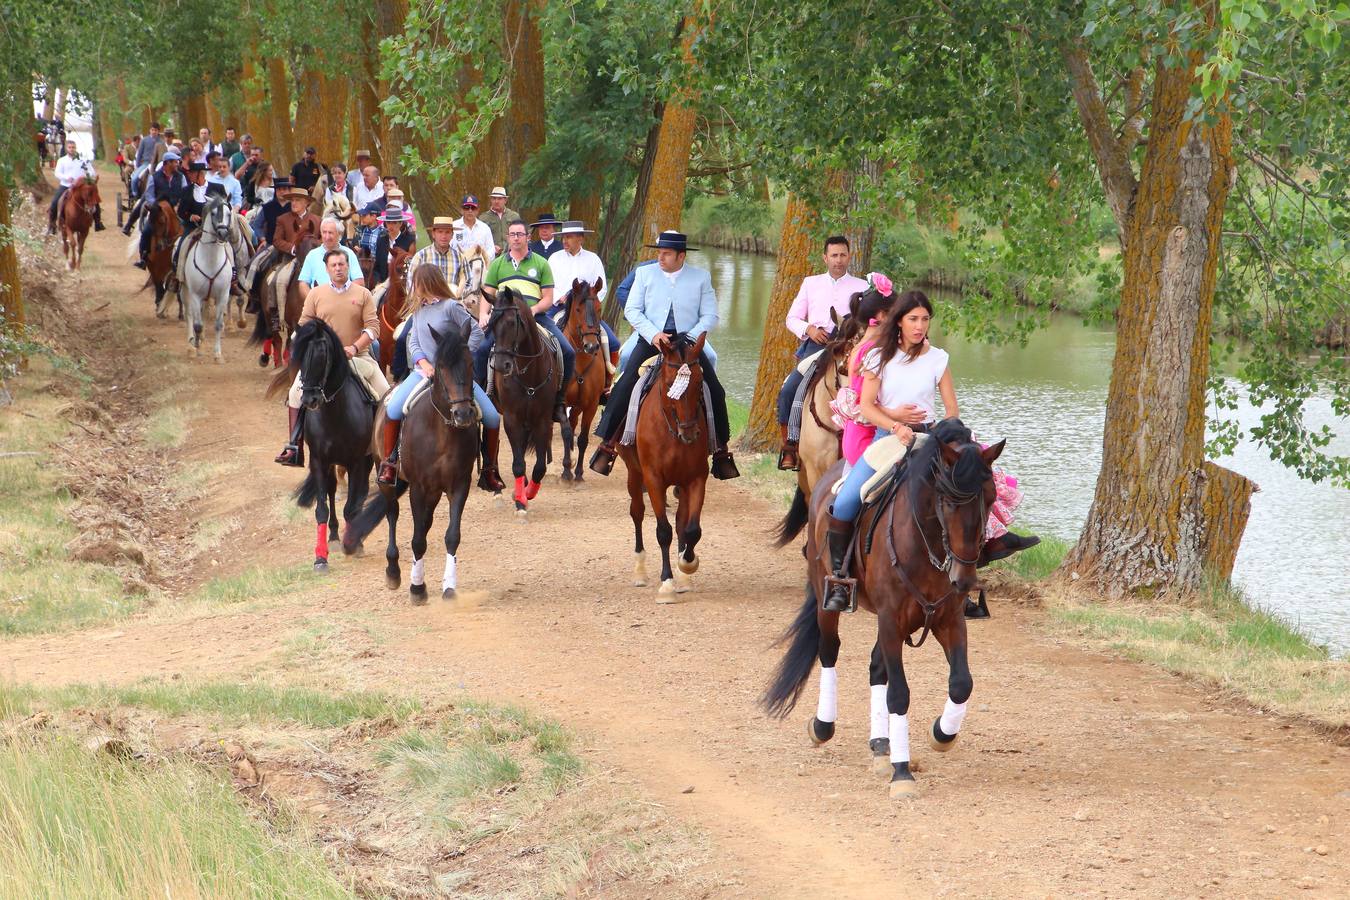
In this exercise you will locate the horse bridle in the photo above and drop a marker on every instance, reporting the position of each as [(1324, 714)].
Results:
[(516, 356), (674, 424), (324, 394), (446, 419), (585, 332)]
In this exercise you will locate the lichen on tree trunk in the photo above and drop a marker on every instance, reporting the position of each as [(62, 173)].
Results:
[(1226, 504), (11, 286)]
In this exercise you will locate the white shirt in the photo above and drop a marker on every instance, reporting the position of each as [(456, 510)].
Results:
[(567, 268), (70, 169), (905, 382), (362, 195), (479, 234), (671, 276)]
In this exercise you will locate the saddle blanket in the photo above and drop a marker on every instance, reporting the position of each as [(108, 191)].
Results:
[(644, 385), (423, 390)]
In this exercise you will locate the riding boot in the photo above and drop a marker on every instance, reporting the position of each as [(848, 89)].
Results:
[(839, 587), (293, 454), (98, 219), (788, 460), (389, 467), (489, 479), (602, 460), (723, 466), (1005, 546)]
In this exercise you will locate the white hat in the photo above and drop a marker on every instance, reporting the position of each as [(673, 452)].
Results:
[(573, 226), (498, 191)]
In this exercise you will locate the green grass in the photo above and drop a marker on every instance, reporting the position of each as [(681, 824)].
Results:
[(1038, 562), (738, 415), (256, 583), (230, 702), (76, 824), (167, 427)]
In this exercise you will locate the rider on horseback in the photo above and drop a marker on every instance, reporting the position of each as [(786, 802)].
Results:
[(681, 297), (575, 263), (168, 184), (349, 310), (70, 170), (431, 310), (283, 233)]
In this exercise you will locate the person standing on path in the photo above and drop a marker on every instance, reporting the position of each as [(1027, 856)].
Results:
[(305, 173), (498, 216)]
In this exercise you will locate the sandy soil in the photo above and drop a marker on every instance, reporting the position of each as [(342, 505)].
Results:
[(1078, 774)]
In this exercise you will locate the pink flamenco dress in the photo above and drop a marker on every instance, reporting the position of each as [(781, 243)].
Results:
[(1009, 497), (858, 432)]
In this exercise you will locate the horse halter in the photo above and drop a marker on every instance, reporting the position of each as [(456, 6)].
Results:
[(325, 394), (439, 387)]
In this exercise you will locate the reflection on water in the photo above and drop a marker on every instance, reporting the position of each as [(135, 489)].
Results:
[(1048, 399)]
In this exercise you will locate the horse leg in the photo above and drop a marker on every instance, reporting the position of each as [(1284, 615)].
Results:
[(947, 727), (878, 739), (516, 434), (422, 510), (897, 703), (320, 516), (635, 511), (691, 507), (332, 499), (583, 438), (358, 489), (222, 307), (542, 449), (392, 576), (664, 534), (821, 727), (569, 439), (450, 580)]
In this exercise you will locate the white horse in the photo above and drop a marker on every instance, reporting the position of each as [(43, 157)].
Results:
[(340, 208), (469, 279), (206, 269)]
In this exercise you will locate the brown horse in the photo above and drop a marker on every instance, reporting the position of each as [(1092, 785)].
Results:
[(164, 231), (391, 308), (915, 560), (439, 444), (77, 217), (527, 377), (581, 325), (671, 449), (281, 304)]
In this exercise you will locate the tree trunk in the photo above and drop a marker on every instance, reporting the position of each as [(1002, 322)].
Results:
[(47, 98), (309, 112), (670, 168), (333, 93), (622, 251), (197, 118), (795, 261), (11, 288), (255, 104), (1227, 503), (585, 208), (104, 131), (1147, 529), (147, 117), (858, 226), (213, 117), (60, 109), (279, 116), (124, 123)]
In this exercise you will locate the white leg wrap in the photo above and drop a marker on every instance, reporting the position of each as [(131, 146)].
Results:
[(899, 738), (418, 571), (827, 707), (879, 713), (953, 714), (450, 579)]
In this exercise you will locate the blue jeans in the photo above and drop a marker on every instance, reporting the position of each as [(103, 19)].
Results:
[(393, 406), (793, 382), (848, 503), (484, 351)]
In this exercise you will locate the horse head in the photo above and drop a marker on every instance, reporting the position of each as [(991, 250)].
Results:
[(216, 217), (681, 387), (514, 331), (322, 363), (582, 320), (962, 478), (452, 383)]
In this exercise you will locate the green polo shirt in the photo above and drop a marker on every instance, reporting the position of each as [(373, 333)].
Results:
[(528, 277)]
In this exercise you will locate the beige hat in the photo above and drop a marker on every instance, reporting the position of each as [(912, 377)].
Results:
[(442, 222), (361, 153), (498, 191)]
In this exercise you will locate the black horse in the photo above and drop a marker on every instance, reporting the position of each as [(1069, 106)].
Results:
[(439, 444), (339, 423)]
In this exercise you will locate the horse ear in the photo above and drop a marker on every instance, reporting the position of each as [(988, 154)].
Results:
[(949, 453), (435, 335), (599, 286), (993, 452), (834, 317), (698, 344)]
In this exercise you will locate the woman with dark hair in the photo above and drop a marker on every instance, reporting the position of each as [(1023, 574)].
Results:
[(867, 312)]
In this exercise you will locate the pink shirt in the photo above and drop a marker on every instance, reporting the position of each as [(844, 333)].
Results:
[(857, 437), (818, 295)]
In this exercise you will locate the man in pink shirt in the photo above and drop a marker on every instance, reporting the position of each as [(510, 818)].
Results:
[(809, 319)]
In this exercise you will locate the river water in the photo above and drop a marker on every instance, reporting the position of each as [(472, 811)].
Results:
[(1049, 400)]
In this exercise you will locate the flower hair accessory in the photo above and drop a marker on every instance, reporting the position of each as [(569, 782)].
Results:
[(880, 283)]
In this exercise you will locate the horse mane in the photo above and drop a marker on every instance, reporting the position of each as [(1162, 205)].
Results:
[(968, 472), (451, 349), (306, 334)]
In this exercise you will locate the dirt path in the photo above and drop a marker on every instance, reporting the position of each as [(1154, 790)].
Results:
[(1078, 774)]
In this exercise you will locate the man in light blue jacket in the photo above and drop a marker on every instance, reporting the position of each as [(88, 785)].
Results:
[(667, 299)]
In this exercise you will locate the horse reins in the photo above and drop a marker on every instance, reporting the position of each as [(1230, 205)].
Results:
[(211, 279), (517, 356)]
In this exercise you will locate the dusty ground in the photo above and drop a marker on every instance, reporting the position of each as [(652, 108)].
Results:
[(1078, 774)]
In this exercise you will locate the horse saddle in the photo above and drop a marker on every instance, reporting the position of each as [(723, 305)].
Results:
[(418, 393), (886, 457)]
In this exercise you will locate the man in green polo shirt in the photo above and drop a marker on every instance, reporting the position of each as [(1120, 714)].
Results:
[(527, 274)]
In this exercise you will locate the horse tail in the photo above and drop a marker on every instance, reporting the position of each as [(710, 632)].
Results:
[(798, 514), (795, 667), (308, 492), (283, 380), (371, 515), (262, 329)]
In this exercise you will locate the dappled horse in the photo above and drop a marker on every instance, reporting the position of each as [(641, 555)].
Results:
[(670, 450), (164, 231), (914, 559), (581, 325), (338, 428), (76, 218), (526, 376), (391, 307), (438, 446), (279, 311), (469, 277), (205, 270)]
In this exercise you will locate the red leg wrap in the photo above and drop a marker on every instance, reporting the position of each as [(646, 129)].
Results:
[(321, 544)]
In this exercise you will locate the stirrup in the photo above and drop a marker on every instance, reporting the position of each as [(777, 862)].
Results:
[(602, 460), (788, 458), (289, 456), (388, 471), (850, 586)]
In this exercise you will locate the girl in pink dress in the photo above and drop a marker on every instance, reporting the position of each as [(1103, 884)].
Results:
[(868, 306)]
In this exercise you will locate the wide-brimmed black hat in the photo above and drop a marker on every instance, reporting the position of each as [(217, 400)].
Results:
[(672, 240), (217, 189), (546, 219)]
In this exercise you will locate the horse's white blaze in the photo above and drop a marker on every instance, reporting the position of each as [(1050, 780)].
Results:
[(953, 714), (827, 704), (640, 569), (418, 574), (899, 738), (450, 579), (879, 712)]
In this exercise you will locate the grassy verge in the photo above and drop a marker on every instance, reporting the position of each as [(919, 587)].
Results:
[(257, 583), (80, 825)]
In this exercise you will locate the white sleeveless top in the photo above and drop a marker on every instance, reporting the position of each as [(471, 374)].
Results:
[(904, 382)]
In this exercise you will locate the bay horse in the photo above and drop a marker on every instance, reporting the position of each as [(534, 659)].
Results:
[(581, 325), (671, 449), (438, 447), (391, 307), (206, 269), (77, 217), (281, 304), (913, 572), (164, 231), (526, 375), (338, 428)]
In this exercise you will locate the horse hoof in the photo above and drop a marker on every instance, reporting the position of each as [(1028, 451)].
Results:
[(940, 741), (417, 593), (666, 592), (819, 732), (682, 583), (448, 594), (321, 566), (566, 474), (392, 581), (688, 568), (639, 581), (881, 755), (904, 788), (220, 360), (263, 360), (522, 515)]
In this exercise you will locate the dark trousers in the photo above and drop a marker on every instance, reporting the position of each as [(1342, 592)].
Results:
[(616, 410), (794, 379), (56, 204), (484, 351)]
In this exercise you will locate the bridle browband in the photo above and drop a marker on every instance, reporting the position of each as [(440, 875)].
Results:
[(446, 419), (321, 338)]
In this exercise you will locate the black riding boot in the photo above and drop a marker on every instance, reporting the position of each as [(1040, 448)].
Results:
[(293, 454), (1005, 546), (840, 589), (723, 465), (98, 219), (488, 477)]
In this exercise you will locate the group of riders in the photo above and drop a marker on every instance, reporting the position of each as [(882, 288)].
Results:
[(894, 373)]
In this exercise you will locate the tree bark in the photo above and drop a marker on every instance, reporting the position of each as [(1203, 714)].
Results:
[(213, 117), (255, 109), (1147, 530), (795, 261), (11, 287), (197, 118), (61, 97), (47, 98), (279, 116), (124, 122), (1227, 504), (105, 132), (625, 240), (333, 94)]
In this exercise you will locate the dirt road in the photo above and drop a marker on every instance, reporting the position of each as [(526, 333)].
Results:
[(1078, 774)]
